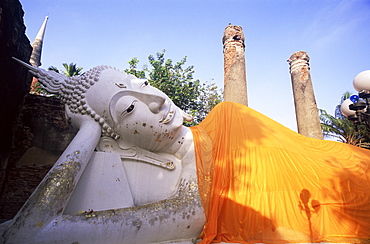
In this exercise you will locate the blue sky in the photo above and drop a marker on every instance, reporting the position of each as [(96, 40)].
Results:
[(335, 34)]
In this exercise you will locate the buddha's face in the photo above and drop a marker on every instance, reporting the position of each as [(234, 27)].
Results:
[(147, 117), (140, 114)]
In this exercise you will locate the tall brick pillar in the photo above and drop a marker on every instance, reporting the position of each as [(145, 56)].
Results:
[(235, 81), (307, 114)]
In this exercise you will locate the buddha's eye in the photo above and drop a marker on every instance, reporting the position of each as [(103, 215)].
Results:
[(145, 83), (129, 109)]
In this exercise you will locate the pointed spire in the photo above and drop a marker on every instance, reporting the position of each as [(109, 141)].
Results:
[(35, 59)]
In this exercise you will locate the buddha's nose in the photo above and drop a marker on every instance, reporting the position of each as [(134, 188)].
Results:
[(155, 103)]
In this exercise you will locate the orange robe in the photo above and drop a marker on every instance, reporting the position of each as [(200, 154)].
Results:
[(261, 182)]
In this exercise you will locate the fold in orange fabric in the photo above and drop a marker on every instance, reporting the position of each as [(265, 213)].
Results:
[(261, 182)]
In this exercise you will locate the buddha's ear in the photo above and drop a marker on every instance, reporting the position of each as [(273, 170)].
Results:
[(113, 103)]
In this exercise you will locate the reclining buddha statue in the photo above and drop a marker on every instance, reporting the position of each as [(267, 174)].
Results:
[(134, 174)]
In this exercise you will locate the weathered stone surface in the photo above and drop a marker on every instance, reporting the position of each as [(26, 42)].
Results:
[(35, 59), (235, 86), (41, 134), (21, 182), (307, 114), (14, 81)]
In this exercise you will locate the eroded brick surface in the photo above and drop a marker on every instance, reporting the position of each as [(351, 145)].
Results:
[(41, 134)]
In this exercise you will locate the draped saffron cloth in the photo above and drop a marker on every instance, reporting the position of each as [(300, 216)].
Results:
[(261, 182)]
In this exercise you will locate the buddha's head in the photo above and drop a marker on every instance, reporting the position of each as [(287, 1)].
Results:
[(128, 109)]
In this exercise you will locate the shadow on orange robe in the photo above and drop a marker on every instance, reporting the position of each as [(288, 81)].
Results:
[(261, 182)]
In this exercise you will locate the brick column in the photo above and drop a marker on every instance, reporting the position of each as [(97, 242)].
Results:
[(307, 114), (235, 81)]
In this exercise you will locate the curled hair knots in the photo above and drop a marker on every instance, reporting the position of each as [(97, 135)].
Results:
[(72, 91)]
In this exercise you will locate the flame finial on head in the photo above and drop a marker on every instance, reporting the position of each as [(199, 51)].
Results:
[(51, 79), (72, 91)]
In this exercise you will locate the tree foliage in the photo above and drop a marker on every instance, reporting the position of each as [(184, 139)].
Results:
[(53, 68), (71, 69), (178, 83), (344, 130)]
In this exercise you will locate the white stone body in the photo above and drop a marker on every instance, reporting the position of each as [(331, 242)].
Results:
[(129, 175)]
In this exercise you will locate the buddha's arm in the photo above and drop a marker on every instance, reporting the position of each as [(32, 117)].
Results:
[(180, 217), (41, 219), (51, 196)]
